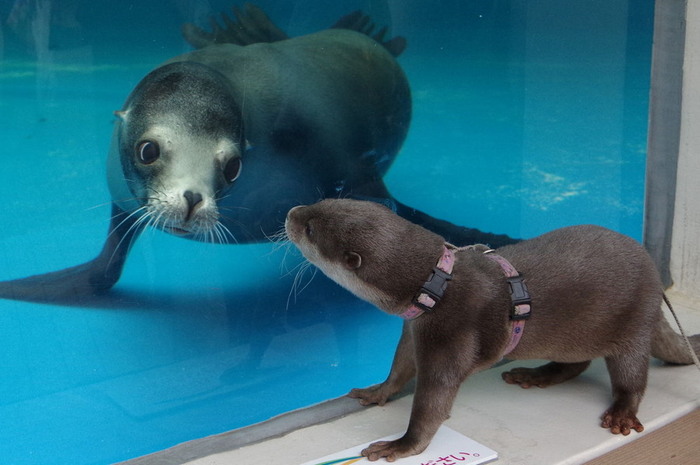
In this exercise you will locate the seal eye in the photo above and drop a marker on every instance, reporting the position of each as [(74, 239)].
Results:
[(148, 152), (232, 169), (309, 230)]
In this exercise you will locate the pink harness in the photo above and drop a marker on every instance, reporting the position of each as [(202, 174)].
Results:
[(434, 288), (432, 291), (519, 297)]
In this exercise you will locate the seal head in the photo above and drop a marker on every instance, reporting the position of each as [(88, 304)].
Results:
[(179, 148)]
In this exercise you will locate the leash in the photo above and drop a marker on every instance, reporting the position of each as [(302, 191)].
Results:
[(685, 338)]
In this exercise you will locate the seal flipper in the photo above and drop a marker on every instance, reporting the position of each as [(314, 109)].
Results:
[(89, 279), (362, 23), (251, 26), (457, 235)]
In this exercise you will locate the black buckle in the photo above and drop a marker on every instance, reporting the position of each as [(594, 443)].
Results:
[(518, 296), (434, 288)]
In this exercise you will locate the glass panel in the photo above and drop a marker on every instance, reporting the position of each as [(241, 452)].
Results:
[(526, 116)]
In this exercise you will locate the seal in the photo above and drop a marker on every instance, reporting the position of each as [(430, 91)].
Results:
[(219, 143), (593, 293)]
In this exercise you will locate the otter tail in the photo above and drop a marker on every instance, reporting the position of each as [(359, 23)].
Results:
[(671, 347)]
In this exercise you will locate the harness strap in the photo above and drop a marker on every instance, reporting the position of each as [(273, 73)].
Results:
[(432, 291), (434, 288), (520, 297)]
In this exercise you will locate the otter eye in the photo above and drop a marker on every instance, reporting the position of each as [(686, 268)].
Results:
[(309, 230), (148, 152), (232, 169)]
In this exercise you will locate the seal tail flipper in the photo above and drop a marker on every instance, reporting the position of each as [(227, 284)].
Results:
[(251, 26), (457, 235), (671, 347), (89, 279), (360, 22)]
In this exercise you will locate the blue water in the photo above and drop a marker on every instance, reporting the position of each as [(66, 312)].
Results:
[(527, 116)]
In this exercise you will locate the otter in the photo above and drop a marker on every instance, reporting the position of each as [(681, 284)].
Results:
[(569, 296)]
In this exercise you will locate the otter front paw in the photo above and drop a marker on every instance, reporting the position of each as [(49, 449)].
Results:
[(621, 422), (392, 450), (377, 394)]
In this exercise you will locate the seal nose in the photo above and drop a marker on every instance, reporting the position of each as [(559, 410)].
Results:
[(193, 199)]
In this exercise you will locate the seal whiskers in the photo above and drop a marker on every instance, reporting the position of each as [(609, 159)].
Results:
[(135, 228)]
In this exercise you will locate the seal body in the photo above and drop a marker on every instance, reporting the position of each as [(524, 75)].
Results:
[(595, 293), (219, 143)]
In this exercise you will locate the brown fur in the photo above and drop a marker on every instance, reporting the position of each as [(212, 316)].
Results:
[(595, 293)]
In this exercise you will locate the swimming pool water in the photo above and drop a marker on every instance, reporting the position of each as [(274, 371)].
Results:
[(527, 116)]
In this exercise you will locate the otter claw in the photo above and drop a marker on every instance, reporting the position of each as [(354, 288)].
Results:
[(621, 423), (391, 450), (370, 395)]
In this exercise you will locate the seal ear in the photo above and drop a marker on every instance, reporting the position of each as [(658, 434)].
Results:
[(353, 260), (121, 114)]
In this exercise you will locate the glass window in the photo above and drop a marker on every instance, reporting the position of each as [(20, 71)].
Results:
[(526, 116)]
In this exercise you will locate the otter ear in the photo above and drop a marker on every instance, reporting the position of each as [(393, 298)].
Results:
[(352, 260)]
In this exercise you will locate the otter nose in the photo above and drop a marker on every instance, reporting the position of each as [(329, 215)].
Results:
[(193, 199), (293, 209)]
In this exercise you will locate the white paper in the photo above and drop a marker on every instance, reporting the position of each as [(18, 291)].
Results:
[(448, 447)]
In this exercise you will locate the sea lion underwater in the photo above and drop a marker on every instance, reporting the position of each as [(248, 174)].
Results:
[(569, 296), (217, 144)]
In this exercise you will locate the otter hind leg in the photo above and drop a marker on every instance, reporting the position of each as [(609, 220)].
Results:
[(545, 375), (628, 375)]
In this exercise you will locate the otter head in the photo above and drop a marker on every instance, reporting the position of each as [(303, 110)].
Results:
[(179, 144), (366, 248)]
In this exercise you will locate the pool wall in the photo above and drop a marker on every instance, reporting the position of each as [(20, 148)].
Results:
[(672, 212), (685, 252)]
